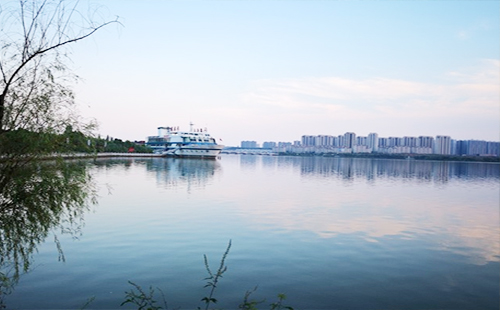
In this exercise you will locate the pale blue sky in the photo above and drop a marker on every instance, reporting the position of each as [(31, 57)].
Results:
[(276, 70)]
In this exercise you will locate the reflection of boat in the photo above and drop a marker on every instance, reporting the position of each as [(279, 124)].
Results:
[(183, 172), (194, 143)]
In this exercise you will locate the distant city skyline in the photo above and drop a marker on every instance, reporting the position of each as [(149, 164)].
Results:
[(261, 142), (350, 143)]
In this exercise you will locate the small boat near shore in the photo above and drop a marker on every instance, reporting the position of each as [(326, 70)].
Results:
[(170, 141)]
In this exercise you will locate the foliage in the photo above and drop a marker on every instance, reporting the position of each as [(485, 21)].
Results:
[(36, 100), (14, 145), (279, 304), (21, 144), (76, 141), (248, 304), (119, 146), (143, 300), (252, 304), (213, 279)]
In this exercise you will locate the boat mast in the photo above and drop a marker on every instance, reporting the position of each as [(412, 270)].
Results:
[(191, 126)]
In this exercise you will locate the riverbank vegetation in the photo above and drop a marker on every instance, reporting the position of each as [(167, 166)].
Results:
[(20, 143), (76, 141)]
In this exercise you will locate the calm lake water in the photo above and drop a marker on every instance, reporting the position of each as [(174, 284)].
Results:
[(330, 233)]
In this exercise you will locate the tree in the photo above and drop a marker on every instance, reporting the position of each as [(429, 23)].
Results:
[(34, 39)]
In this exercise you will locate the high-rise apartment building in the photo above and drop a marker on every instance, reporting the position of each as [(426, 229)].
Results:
[(395, 141), (284, 144), (493, 148), (383, 142), (410, 141), (442, 145), (308, 140), (362, 141), (339, 142), (424, 141), (325, 140), (372, 141), (349, 140), (476, 148), (249, 144), (268, 145)]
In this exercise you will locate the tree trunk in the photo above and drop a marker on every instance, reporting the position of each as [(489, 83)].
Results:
[(2, 107)]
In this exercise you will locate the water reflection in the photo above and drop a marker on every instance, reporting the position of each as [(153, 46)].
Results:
[(441, 171), (35, 200), (190, 173), (371, 169), (454, 203), (249, 161), (326, 230)]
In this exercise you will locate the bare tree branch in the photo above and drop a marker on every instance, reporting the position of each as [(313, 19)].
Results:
[(45, 27)]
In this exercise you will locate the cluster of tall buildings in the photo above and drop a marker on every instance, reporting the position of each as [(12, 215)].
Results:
[(350, 143)]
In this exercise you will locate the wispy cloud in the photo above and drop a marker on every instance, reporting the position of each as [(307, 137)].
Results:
[(469, 92), (474, 29)]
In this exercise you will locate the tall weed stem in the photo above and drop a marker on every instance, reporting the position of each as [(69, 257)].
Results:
[(213, 279)]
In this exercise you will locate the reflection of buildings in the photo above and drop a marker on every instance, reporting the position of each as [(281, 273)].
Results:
[(451, 205), (370, 168), (378, 200), (248, 161), (176, 172)]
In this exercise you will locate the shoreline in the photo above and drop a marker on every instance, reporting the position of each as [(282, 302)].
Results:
[(427, 157), (435, 157)]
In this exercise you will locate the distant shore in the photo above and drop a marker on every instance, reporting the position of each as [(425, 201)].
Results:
[(435, 157), (86, 155), (109, 154), (489, 159)]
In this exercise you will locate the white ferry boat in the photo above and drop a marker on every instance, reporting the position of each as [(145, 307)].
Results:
[(194, 143)]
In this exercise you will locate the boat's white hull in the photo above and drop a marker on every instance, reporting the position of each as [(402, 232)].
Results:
[(211, 151)]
